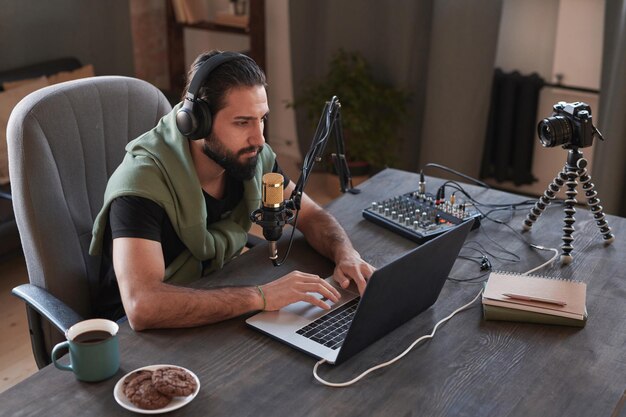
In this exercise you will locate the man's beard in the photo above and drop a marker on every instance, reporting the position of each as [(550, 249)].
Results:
[(214, 149)]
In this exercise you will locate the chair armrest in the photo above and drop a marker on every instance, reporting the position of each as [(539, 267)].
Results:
[(50, 307)]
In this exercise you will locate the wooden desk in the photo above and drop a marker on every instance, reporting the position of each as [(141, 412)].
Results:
[(471, 367)]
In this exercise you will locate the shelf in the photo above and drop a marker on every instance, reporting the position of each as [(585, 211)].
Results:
[(215, 27), (255, 31)]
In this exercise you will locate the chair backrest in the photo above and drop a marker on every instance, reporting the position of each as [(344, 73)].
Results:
[(64, 142)]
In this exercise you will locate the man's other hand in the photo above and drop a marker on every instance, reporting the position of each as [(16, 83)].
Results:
[(351, 267), (298, 286)]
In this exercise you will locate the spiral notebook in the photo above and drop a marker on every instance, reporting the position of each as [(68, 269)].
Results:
[(531, 298)]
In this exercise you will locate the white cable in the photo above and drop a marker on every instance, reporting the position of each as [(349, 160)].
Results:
[(548, 262), (428, 336), (400, 356)]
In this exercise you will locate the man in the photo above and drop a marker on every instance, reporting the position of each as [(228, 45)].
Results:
[(176, 208)]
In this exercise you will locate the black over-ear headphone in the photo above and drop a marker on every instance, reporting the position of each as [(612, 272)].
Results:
[(194, 118)]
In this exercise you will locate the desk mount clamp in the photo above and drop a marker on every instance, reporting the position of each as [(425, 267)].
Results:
[(575, 169)]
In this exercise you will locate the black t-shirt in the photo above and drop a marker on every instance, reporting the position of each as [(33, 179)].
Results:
[(133, 216)]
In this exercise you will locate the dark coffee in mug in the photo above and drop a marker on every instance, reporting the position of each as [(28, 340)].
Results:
[(94, 350), (94, 336)]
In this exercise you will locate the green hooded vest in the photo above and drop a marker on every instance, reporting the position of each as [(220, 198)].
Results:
[(158, 166)]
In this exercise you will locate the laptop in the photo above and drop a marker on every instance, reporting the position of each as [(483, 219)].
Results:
[(394, 294)]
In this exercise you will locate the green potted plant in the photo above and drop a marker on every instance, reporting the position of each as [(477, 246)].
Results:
[(371, 111)]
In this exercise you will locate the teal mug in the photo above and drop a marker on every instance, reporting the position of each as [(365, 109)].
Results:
[(94, 350)]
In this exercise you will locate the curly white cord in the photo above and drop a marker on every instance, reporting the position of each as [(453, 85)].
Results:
[(548, 262), (400, 356), (428, 336)]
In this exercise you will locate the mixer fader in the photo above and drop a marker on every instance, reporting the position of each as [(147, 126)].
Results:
[(420, 216)]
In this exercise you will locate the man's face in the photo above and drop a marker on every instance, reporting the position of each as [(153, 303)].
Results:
[(237, 134)]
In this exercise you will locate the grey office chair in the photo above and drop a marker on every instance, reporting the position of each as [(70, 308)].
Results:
[(64, 142)]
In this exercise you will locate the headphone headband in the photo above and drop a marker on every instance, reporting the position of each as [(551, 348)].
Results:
[(206, 68)]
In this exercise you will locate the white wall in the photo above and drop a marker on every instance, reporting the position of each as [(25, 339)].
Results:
[(527, 36), (551, 37), (282, 125), (578, 52)]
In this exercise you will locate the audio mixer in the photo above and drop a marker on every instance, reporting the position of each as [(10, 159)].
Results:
[(420, 216)]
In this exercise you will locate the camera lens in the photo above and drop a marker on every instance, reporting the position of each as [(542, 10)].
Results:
[(554, 131)]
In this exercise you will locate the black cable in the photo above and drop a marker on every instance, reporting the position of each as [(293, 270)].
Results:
[(484, 252), (456, 186), (293, 231), (516, 258), (493, 208), (487, 211), (452, 171), (471, 280), (497, 207)]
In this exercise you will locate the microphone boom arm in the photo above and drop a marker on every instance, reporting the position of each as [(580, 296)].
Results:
[(330, 123), (339, 158), (288, 210)]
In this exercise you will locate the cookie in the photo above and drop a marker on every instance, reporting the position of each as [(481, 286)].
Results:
[(141, 391), (174, 382), (132, 376)]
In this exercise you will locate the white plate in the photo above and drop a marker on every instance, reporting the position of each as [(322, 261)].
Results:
[(176, 403)]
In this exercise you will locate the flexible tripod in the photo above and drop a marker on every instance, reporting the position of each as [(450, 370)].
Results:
[(575, 168)]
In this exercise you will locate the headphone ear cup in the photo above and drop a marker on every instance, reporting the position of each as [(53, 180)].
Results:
[(194, 119), (185, 120), (204, 119)]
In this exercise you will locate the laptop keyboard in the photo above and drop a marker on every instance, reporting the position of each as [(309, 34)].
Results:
[(330, 330)]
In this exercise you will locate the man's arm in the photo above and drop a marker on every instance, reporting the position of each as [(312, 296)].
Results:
[(325, 234), (151, 303)]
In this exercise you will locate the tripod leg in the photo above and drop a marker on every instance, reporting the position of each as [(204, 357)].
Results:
[(594, 204), (568, 229), (545, 199)]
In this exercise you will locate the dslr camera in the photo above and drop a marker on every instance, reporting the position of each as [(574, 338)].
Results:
[(569, 126)]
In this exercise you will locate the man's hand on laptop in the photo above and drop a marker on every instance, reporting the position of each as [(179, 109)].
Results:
[(351, 266), (298, 286)]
